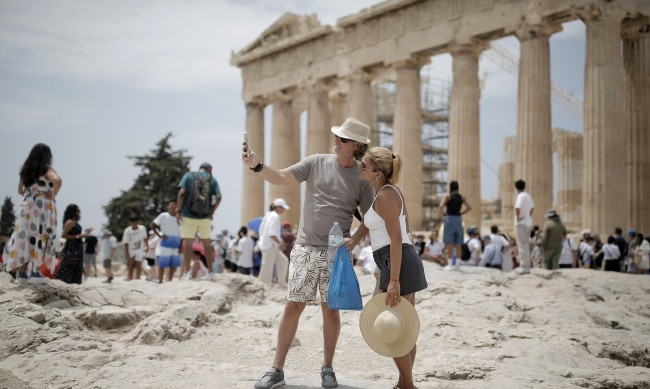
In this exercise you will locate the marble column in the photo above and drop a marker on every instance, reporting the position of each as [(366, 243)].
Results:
[(338, 114), (318, 120), (507, 182), (361, 102), (604, 189), (407, 137), (285, 151), (464, 131), (252, 204), (533, 149), (636, 58), (568, 146)]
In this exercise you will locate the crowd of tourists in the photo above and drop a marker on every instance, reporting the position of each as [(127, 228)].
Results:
[(588, 251)]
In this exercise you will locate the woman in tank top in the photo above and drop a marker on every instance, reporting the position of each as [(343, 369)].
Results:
[(401, 270), (450, 209)]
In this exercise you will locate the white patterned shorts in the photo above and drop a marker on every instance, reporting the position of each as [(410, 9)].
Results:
[(308, 273)]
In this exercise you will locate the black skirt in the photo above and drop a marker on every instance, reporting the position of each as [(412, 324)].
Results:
[(411, 276)]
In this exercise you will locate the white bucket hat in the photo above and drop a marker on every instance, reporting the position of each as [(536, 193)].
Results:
[(353, 129), (389, 331), (280, 203)]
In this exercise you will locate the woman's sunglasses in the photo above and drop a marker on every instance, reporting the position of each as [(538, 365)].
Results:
[(363, 167)]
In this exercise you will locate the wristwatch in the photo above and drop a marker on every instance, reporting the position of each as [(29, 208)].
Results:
[(258, 168)]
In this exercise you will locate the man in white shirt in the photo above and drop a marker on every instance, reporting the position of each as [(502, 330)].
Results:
[(135, 245), (524, 207), (244, 249), (107, 246), (271, 245), (474, 246), (498, 240)]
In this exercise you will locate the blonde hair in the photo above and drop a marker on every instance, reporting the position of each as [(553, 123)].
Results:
[(386, 162)]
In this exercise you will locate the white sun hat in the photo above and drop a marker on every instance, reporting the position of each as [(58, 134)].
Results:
[(280, 203), (353, 129), (389, 331)]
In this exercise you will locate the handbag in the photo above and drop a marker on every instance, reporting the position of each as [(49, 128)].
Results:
[(343, 291), (638, 257)]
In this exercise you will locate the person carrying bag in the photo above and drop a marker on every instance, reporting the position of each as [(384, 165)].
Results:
[(343, 292)]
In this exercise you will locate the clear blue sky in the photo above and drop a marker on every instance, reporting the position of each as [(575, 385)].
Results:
[(101, 80)]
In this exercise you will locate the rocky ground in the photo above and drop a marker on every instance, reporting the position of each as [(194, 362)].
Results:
[(480, 328)]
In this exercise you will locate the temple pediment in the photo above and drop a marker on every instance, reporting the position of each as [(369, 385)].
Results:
[(288, 28)]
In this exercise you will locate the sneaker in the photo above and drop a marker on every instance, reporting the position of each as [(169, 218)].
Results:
[(108, 280), (187, 276), (521, 270), (273, 378), (37, 278), (212, 277), (328, 378), (22, 278)]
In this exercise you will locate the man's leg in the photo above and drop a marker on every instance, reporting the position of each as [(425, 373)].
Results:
[(405, 364), (138, 269), (546, 259), (554, 259), (523, 247), (129, 266), (331, 330), (187, 255), (107, 268), (287, 330)]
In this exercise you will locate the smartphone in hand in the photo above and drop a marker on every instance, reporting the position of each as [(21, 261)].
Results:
[(248, 149)]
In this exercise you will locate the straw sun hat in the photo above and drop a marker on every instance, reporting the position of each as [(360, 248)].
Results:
[(390, 332)]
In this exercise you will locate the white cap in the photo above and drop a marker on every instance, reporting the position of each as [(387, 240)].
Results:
[(280, 203)]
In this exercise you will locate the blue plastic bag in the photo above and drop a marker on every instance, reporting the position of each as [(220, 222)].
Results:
[(343, 293)]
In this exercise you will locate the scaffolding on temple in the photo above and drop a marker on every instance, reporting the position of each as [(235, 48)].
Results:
[(435, 135)]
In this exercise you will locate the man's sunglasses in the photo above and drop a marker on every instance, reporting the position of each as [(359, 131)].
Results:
[(343, 140)]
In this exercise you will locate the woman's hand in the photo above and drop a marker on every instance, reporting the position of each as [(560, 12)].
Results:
[(349, 244), (393, 293)]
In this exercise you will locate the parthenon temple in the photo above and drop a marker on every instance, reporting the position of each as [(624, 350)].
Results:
[(299, 65)]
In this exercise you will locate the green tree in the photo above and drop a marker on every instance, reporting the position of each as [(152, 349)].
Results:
[(160, 172), (7, 216)]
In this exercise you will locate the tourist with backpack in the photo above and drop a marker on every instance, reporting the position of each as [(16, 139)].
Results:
[(471, 249), (198, 199)]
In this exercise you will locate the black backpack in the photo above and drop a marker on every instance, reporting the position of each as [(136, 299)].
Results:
[(465, 254), (200, 203)]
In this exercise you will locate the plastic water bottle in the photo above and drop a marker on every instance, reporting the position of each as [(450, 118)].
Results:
[(335, 238)]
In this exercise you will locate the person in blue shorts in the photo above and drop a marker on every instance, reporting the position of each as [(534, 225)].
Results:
[(450, 209), (167, 227)]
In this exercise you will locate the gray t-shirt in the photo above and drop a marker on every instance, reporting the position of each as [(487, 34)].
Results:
[(333, 193)]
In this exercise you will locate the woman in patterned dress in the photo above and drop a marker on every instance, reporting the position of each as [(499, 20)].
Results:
[(33, 242), (72, 256)]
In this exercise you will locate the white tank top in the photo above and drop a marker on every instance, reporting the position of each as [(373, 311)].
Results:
[(377, 227)]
